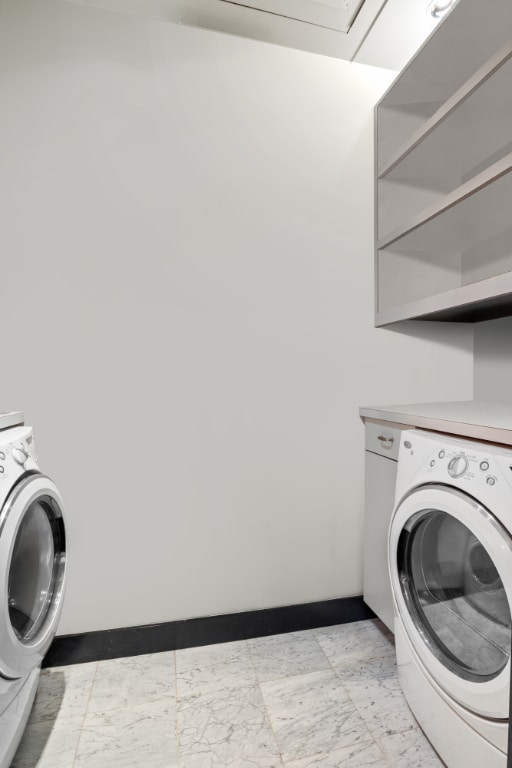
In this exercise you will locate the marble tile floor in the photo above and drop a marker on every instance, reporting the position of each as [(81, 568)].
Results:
[(324, 698)]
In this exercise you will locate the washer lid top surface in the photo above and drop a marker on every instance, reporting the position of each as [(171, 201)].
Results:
[(452, 582)]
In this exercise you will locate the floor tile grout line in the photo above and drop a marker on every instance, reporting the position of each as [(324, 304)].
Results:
[(374, 737), (272, 679), (314, 755), (418, 730), (123, 704), (337, 672), (86, 708), (44, 673), (296, 674), (176, 729), (267, 713), (371, 738), (389, 760), (254, 684), (356, 708), (222, 687), (115, 709), (338, 676), (326, 655)]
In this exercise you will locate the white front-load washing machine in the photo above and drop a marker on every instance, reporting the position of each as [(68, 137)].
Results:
[(32, 576), (450, 560)]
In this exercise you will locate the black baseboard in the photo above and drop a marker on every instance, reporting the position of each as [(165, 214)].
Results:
[(174, 635)]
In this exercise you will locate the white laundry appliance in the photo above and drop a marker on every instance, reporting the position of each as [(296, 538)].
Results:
[(450, 559), (32, 575)]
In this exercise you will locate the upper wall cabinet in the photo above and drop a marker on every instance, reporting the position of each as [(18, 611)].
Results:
[(444, 181)]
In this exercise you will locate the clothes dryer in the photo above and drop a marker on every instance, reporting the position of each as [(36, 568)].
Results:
[(32, 578), (450, 559)]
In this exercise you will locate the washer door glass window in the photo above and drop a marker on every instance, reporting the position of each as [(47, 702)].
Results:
[(455, 595), (36, 568)]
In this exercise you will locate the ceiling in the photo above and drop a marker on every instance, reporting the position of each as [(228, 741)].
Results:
[(383, 33), (314, 26)]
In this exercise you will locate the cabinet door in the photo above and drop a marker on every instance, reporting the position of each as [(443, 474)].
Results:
[(380, 481)]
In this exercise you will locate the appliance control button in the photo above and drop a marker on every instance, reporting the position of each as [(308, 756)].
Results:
[(2, 455), (441, 454), (490, 480), (407, 444), (484, 466), (458, 465), (432, 463), (19, 456), (2, 470)]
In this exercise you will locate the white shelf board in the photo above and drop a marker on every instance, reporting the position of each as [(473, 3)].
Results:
[(475, 30), (469, 215), (465, 300), (458, 123)]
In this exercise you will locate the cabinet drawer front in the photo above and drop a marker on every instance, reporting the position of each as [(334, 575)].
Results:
[(382, 439)]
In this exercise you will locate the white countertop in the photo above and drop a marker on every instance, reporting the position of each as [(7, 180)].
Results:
[(470, 418)]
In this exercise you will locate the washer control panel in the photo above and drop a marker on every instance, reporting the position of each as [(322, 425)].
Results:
[(19, 455), (459, 460)]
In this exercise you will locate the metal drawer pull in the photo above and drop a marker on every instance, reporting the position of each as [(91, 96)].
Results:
[(385, 439)]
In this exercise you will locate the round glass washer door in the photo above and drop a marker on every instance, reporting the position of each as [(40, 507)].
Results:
[(32, 573), (450, 566)]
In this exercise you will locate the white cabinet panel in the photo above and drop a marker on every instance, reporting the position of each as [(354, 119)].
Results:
[(380, 480)]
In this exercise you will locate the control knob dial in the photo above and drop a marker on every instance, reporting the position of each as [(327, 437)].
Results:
[(458, 465), (19, 455)]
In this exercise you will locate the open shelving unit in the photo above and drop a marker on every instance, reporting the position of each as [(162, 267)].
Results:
[(443, 174)]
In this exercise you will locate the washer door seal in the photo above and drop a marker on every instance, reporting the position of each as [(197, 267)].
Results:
[(32, 573)]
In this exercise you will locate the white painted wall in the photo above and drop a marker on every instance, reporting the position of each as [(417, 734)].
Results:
[(493, 360), (187, 300)]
